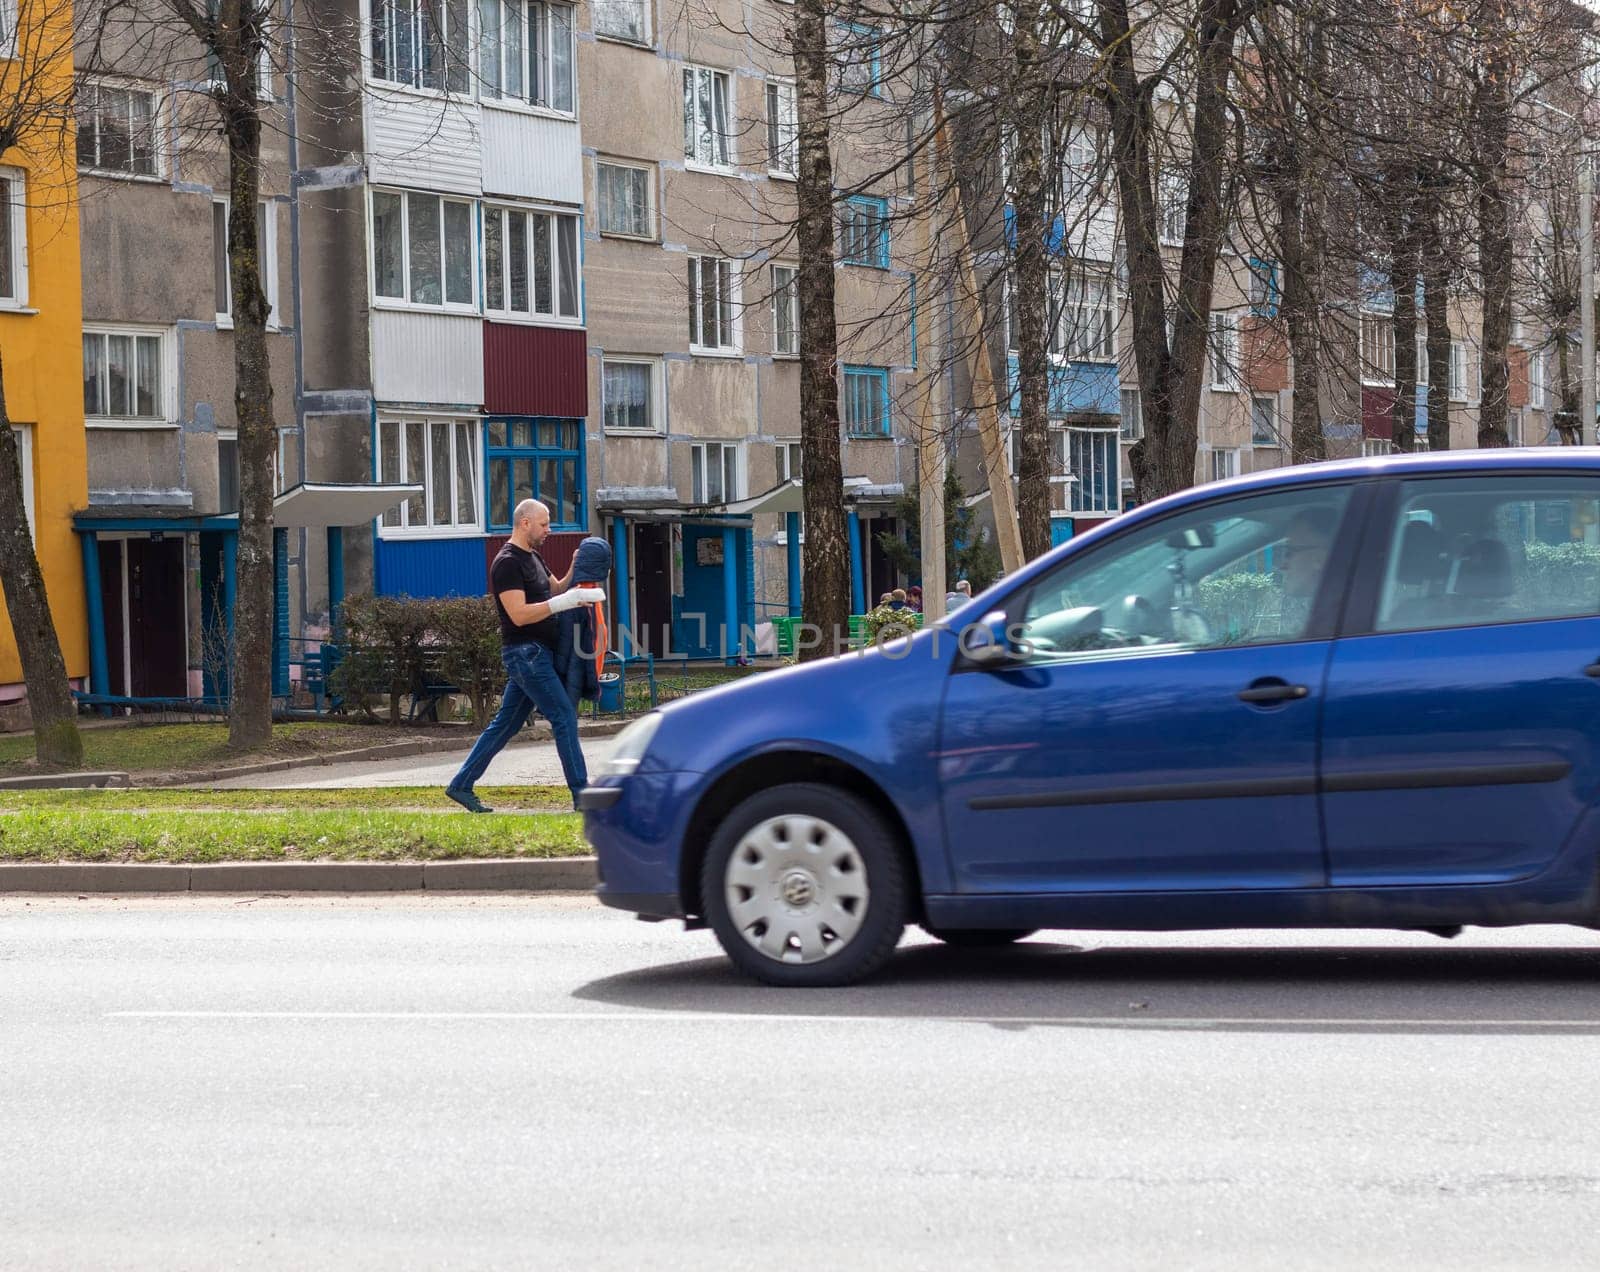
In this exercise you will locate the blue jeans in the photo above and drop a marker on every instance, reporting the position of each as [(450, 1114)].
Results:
[(531, 682)]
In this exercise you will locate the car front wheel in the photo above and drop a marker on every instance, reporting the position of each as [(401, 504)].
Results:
[(804, 886)]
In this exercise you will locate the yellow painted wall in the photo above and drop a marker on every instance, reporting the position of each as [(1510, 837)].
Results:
[(43, 355)]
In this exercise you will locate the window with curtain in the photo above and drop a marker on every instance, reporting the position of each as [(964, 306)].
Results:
[(441, 456)]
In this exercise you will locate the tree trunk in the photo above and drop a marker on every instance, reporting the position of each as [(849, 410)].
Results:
[(55, 725), (250, 712), (1493, 126), (1171, 379), (1403, 283), (1300, 252), (1032, 308), (1436, 306), (825, 557)]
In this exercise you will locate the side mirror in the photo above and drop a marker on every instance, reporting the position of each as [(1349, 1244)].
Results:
[(1201, 536), (987, 642)]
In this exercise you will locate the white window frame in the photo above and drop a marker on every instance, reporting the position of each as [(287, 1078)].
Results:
[(1458, 371), (1085, 295), (17, 211), (492, 92), (790, 298), (168, 417), (783, 130), (1536, 379), (456, 529), (1136, 432), (730, 465), (656, 406), (24, 435), (405, 301), (1376, 447), (1271, 400), (157, 130), (648, 171), (1173, 211), (1229, 462), (1105, 444), (712, 161), (504, 312), (461, 54), (268, 248), (645, 36), (734, 345), (1422, 361), (9, 21), (1222, 350), (789, 459), (1377, 349)]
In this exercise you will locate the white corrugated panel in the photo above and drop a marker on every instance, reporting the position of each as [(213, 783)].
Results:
[(423, 142), (420, 357), (529, 156)]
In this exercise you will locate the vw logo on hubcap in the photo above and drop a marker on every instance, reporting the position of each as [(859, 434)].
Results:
[(798, 889)]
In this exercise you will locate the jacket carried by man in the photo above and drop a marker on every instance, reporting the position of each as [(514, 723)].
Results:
[(579, 653)]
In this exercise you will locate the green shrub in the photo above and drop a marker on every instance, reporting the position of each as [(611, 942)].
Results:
[(1562, 578), (1235, 604), (467, 629)]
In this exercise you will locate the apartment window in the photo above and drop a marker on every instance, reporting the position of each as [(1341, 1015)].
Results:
[(23, 434), (8, 28), (789, 466), (1263, 288), (785, 311), (625, 193), (706, 138), (530, 263), (860, 59), (441, 456), (1377, 349), (1093, 458), (266, 255), (125, 376), (117, 130), (1174, 199), (421, 44), (1536, 379), (1132, 416), (1224, 353), (716, 470), (227, 473), (866, 401), (864, 231), (13, 238), (1087, 331), (711, 305), (1374, 447), (535, 459), (526, 53), (622, 20), (783, 131), (1514, 428), (1264, 421), (1224, 464), (627, 389), (422, 249), (1458, 371), (1081, 168)]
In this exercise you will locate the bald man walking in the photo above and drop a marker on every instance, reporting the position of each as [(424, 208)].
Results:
[(528, 599)]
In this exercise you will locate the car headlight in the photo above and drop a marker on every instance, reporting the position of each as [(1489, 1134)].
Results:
[(631, 745)]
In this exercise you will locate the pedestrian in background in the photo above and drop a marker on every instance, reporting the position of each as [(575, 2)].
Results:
[(528, 599)]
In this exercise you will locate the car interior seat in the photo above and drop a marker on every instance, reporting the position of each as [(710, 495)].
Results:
[(1420, 571), (1481, 580)]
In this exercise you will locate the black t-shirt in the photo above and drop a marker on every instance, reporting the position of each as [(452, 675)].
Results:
[(512, 569)]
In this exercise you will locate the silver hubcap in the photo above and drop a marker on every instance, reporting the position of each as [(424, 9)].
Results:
[(797, 888)]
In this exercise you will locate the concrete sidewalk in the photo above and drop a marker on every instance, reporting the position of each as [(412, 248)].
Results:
[(527, 764), (512, 874)]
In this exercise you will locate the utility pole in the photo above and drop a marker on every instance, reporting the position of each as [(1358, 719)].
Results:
[(1586, 243)]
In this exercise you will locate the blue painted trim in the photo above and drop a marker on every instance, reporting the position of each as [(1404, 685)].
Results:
[(913, 303), (862, 29), (230, 589), (1268, 270), (730, 597), (858, 584), (335, 575), (171, 525), (620, 591), (1076, 388), (280, 613), (99, 664), (877, 211), (507, 454), (881, 375), (791, 524)]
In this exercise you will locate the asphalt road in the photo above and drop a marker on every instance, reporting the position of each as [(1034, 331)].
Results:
[(510, 1082)]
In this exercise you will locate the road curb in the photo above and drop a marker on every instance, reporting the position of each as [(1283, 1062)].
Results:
[(62, 781), (511, 874), (361, 755)]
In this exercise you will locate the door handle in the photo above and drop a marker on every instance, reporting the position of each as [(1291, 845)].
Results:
[(1272, 691)]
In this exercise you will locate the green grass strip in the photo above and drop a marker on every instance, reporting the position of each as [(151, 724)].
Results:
[(370, 798), (179, 837)]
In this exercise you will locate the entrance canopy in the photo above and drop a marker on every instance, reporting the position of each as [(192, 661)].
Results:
[(322, 505)]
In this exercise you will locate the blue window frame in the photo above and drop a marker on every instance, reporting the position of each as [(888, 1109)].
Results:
[(866, 401), (861, 59), (1263, 288), (864, 231), (533, 458)]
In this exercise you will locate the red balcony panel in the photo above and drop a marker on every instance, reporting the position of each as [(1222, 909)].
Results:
[(535, 370), (557, 550), (1377, 412)]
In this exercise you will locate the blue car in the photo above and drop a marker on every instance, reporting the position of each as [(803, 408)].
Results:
[(1355, 694)]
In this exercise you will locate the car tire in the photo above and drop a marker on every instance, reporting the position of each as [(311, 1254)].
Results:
[(805, 887), (978, 938)]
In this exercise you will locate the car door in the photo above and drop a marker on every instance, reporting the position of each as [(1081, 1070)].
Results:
[(1157, 728), (1462, 725)]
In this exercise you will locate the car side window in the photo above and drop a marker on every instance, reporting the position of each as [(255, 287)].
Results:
[(1468, 551), (1241, 571)]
